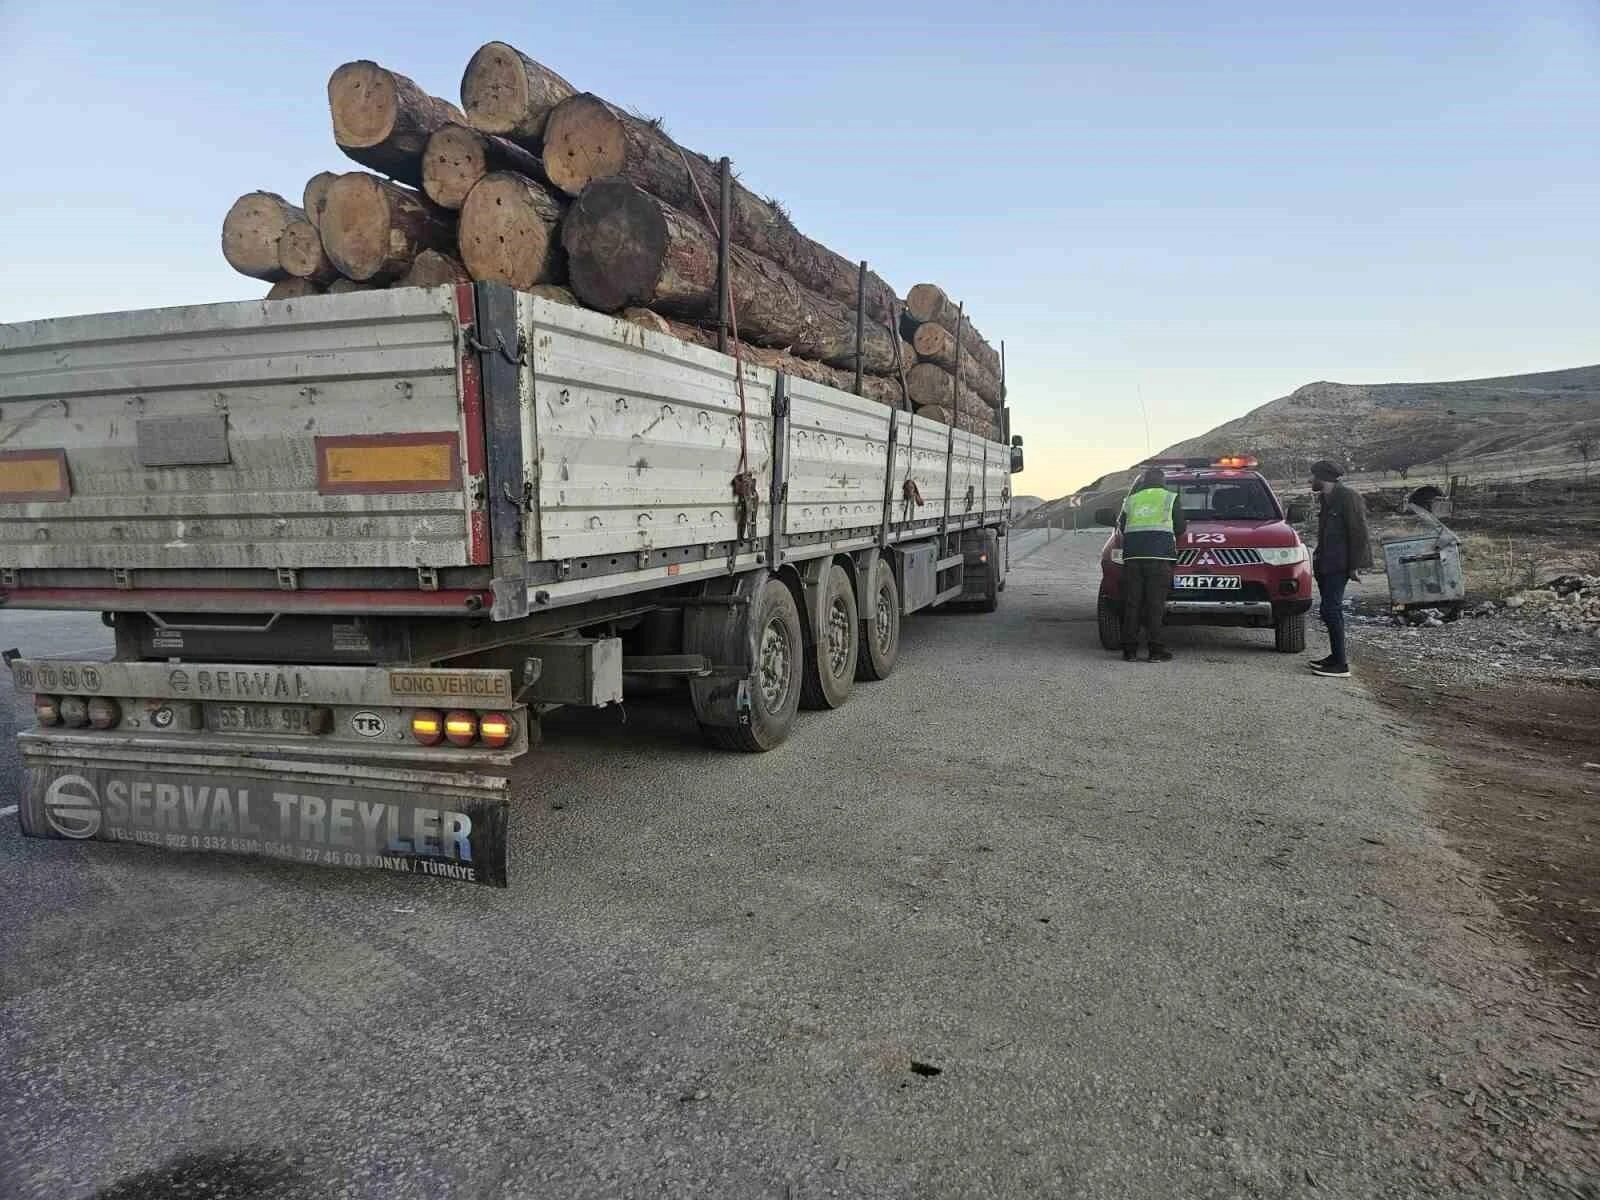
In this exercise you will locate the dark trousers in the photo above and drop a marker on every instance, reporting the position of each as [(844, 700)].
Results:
[(1331, 588), (1145, 584)]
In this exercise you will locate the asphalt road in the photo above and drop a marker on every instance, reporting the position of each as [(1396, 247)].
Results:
[(1021, 920)]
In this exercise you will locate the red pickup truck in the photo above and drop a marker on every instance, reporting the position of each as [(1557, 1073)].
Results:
[(1240, 561)]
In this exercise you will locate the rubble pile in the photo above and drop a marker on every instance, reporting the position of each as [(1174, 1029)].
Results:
[(1568, 603)]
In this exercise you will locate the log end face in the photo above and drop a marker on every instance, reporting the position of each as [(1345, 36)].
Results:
[(293, 288), (432, 268), (250, 234), (315, 197), (583, 141), (505, 234), (364, 101), (494, 89), (452, 163), (341, 286), (355, 225), (300, 250), (925, 301), (616, 243)]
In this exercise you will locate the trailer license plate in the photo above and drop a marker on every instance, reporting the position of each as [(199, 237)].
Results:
[(258, 718), (1209, 582)]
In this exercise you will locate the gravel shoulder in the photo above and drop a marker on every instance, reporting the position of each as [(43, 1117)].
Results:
[(1020, 920)]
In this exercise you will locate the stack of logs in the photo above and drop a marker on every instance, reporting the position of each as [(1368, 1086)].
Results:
[(536, 185)]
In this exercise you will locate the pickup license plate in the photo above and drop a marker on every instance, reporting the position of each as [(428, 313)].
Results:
[(258, 718), (1208, 582)]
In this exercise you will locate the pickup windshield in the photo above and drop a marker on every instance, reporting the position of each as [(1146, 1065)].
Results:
[(1242, 499)]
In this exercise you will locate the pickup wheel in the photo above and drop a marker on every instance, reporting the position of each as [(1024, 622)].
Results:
[(774, 685), (831, 662), (1110, 620), (1289, 634), (880, 627)]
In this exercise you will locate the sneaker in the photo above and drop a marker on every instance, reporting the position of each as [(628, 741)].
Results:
[(1130, 656), (1315, 663), (1161, 656), (1331, 670)]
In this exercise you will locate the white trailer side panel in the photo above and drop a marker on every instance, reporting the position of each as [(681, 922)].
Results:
[(838, 460)]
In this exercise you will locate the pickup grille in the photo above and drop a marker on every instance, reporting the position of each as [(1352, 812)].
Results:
[(1220, 556)]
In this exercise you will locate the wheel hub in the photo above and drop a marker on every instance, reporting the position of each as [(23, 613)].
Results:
[(776, 665), (883, 621), (838, 637)]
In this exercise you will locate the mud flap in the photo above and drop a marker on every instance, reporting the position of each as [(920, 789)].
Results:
[(446, 826)]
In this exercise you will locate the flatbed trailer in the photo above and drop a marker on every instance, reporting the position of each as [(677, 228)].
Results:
[(353, 547)]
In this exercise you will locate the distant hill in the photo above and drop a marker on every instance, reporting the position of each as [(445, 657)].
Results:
[(1517, 424), (1022, 505)]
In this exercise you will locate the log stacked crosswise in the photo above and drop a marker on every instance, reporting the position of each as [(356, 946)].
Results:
[(565, 195)]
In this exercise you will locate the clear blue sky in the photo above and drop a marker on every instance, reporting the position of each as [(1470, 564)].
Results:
[(1199, 206)]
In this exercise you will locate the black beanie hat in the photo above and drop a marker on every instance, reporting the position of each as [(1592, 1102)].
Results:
[(1324, 470)]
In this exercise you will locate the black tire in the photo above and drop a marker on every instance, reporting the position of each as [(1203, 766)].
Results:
[(774, 685), (1289, 634), (831, 661), (1110, 619), (880, 627)]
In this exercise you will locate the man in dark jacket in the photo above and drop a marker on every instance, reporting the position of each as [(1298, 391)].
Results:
[(1152, 521), (1343, 551)]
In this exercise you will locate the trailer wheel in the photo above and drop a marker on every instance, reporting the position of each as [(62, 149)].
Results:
[(880, 627), (1110, 623), (774, 685), (1289, 634), (831, 662)]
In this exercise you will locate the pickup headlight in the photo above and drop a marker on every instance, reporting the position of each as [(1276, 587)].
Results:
[(1283, 556), (1116, 556)]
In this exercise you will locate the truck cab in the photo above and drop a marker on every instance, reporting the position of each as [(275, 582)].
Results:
[(1240, 560)]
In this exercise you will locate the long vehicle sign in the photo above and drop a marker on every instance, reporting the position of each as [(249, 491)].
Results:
[(233, 811)]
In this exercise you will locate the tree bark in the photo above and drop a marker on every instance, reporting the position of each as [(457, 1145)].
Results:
[(292, 289), (433, 268), (626, 247), (554, 291), (884, 390), (373, 230), (936, 344), (588, 139), (342, 285), (315, 197), (927, 302), (250, 234), (457, 157), (505, 92), (301, 254), (509, 231), (982, 426), (383, 121)]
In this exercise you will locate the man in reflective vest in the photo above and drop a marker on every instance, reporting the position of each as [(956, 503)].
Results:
[(1151, 524)]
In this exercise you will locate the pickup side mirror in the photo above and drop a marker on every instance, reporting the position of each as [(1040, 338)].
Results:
[(1105, 516), (1299, 512)]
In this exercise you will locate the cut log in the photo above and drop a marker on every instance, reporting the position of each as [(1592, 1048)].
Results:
[(301, 253), (373, 230), (509, 231), (874, 387), (936, 344), (646, 318), (506, 92), (382, 120), (293, 288), (982, 426), (627, 247), (588, 139), (250, 234), (931, 387), (555, 292), (927, 302), (433, 268), (457, 157), (342, 285), (315, 197)]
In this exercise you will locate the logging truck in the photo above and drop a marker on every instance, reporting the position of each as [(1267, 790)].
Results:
[(353, 547)]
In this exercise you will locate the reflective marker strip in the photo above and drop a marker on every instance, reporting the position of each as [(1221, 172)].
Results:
[(34, 475), (388, 463)]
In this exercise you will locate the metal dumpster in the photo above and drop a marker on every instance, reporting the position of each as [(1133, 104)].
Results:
[(1425, 570)]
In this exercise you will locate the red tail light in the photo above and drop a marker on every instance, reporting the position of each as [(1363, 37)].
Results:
[(104, 714), (461, 728), (496, 730), (46, 710), (427, 727)]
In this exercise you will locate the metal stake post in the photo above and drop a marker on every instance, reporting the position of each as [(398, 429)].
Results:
[(725, 176)]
